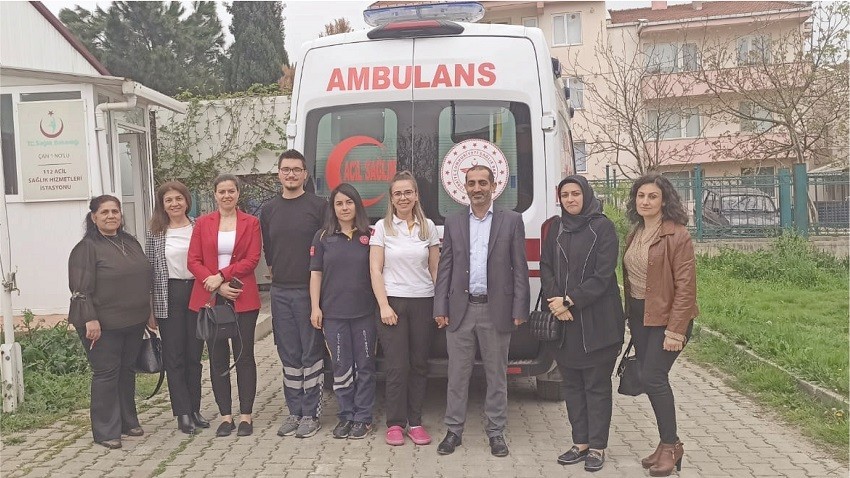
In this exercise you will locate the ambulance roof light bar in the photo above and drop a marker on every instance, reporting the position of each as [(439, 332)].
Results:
[(458, 12)]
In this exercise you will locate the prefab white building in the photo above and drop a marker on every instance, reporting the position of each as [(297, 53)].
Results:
[(69, 132)]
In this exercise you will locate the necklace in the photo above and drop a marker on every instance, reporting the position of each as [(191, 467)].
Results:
[(120, 248)]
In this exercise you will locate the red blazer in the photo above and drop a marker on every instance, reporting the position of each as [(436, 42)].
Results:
[(203, 259)]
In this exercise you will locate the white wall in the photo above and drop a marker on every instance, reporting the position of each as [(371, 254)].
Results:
[(44, 48)]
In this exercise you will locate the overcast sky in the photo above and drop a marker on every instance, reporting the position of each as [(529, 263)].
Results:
[(304, 20)]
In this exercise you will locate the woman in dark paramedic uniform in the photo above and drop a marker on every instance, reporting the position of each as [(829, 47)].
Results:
[(344, 308)]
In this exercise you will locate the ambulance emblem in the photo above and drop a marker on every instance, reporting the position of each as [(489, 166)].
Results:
[(462, 157)]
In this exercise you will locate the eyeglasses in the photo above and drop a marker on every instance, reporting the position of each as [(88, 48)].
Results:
[(408, 194), (292, 170)]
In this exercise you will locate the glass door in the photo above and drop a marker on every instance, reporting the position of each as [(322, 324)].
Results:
[(131, 151)]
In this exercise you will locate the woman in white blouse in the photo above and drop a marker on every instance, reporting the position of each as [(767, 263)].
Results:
[(405, 251), (167, 246)]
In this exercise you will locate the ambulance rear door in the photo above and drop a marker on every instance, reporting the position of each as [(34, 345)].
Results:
[(478, 101)]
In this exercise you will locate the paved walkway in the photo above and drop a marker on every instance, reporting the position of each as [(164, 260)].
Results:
[(724, 435)]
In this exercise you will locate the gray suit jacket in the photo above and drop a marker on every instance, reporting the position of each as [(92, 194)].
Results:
[(507, 270)]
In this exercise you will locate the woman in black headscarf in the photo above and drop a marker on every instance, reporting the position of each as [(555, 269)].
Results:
[(577, 272)]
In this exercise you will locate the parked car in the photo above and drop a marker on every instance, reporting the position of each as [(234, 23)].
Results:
[(740, 209)]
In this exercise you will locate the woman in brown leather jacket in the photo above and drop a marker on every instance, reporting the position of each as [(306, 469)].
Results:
[(659, 278)]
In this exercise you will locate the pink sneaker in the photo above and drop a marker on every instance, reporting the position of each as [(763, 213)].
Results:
[(418, 435), (395, 436)]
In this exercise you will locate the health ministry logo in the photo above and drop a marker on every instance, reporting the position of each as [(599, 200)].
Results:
[(51, 126)]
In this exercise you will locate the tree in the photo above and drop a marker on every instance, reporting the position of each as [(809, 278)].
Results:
[(257, 53), (632, 106), (155, 43), (788, 93), (340, 25)]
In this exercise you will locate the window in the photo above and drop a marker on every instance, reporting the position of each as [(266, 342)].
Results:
[(661, 58), (366, 144), (566, 29), (671, 124), (576, 86), (690, 57), (681, 181), (581, 156), (754, 118), (51, 96), (754, 49), (529, 22), (7, 141)]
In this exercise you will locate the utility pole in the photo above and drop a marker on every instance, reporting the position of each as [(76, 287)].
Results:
[(11, 367)]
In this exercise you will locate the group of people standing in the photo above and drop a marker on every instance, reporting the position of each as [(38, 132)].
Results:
[(338, 284)]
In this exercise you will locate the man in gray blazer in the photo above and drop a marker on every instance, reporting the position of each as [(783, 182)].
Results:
[(481, 295)]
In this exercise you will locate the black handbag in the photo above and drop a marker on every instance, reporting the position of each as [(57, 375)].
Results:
[(216, 322), (629, 372), (544, 326), (149, 359)]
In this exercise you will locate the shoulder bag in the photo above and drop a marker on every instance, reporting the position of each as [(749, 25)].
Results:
[(629, 372), (218, 322), (149, 359)]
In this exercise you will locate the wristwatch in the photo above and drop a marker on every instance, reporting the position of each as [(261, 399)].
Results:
[(568, 302)]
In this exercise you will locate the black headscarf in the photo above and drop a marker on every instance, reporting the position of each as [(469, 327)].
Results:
[(591, 206)]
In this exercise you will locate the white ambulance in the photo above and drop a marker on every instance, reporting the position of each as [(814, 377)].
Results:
[(426, 93)]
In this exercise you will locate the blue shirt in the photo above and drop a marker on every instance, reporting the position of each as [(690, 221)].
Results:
[(479, 242)]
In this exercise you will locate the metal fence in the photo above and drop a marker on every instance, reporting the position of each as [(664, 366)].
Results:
[(754, 205)]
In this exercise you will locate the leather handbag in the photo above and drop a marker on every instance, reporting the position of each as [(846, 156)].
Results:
[(216, 322), (149, 359), (544, 326), (629, 372)]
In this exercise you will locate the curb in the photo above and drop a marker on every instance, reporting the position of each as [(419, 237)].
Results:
[(264, 327), (821, 394)]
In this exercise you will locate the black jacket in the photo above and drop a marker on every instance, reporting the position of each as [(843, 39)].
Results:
[(582, 263)]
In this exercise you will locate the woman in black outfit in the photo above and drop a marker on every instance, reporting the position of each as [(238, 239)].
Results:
[(577, 272), (167, 247), (110, 281)]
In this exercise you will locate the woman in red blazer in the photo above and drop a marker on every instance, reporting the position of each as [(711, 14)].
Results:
[(224, 250)]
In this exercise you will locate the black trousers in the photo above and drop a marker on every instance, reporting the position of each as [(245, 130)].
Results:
[(246, 366), (113, 384), (655, 364), (406, 347), (587, 392), (181, 349)]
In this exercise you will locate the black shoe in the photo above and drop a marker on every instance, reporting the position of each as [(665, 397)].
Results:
[(572, 456), (199, 420), (184, 423), (111, 444), (225, 429), (498, 447), (594, 461), (245, 429), (449, 443), (359, 430), (135, 432), (343, 429)]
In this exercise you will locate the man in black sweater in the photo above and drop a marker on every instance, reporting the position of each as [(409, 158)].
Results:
[(289, 222)]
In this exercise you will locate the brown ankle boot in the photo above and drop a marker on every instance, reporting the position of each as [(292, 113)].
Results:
[(669, 456), (651, 459)]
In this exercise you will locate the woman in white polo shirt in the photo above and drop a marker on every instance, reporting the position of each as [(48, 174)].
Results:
[(403, 262)]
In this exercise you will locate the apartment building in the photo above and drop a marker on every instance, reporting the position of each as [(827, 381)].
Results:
[(636, 80)]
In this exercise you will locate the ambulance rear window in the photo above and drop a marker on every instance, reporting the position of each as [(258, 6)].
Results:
[(366, 144)]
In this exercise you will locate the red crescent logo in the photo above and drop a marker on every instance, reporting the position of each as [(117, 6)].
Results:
[(55, 135), (333, 168)]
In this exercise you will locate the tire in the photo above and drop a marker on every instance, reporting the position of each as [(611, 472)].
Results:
[(549, 390)]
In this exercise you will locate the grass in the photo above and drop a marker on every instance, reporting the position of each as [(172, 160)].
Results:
[(57, 378), (826, 426), (788, 304)]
